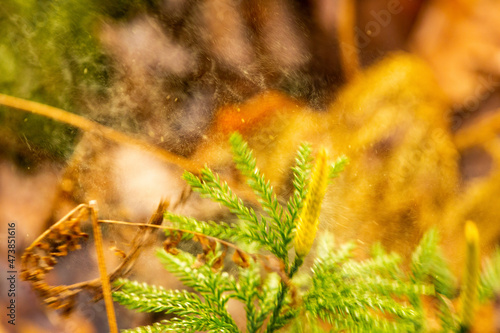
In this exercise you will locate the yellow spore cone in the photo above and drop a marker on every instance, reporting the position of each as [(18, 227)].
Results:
[(307, 225), (471, 277)]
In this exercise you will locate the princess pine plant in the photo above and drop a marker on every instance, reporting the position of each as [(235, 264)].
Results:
[(338, 293)]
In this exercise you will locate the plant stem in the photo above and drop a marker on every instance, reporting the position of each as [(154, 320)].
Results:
[(106, 287), (271, 327), (296, 265)]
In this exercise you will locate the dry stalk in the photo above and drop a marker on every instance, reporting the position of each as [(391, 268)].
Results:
[(94, 127)]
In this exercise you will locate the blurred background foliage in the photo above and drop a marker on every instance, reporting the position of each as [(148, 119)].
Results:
[(49, 55), (68, 54)]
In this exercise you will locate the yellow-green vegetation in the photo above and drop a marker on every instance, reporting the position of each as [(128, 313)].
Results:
[(338, 293)]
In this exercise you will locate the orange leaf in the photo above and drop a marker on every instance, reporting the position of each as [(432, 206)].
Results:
[(170, 244), (208, 244), (200, 261), (219, 261), (241, 259)]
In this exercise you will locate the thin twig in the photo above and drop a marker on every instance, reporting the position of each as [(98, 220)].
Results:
[(269, 262), (94, 127), (138, 243), (199, 234), (101, 263)]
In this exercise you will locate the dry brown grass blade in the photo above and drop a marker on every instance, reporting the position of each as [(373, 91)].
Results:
[(349, 52), (43, 254), (94, 127), (101, 263), (141, 239), (54, 226)]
